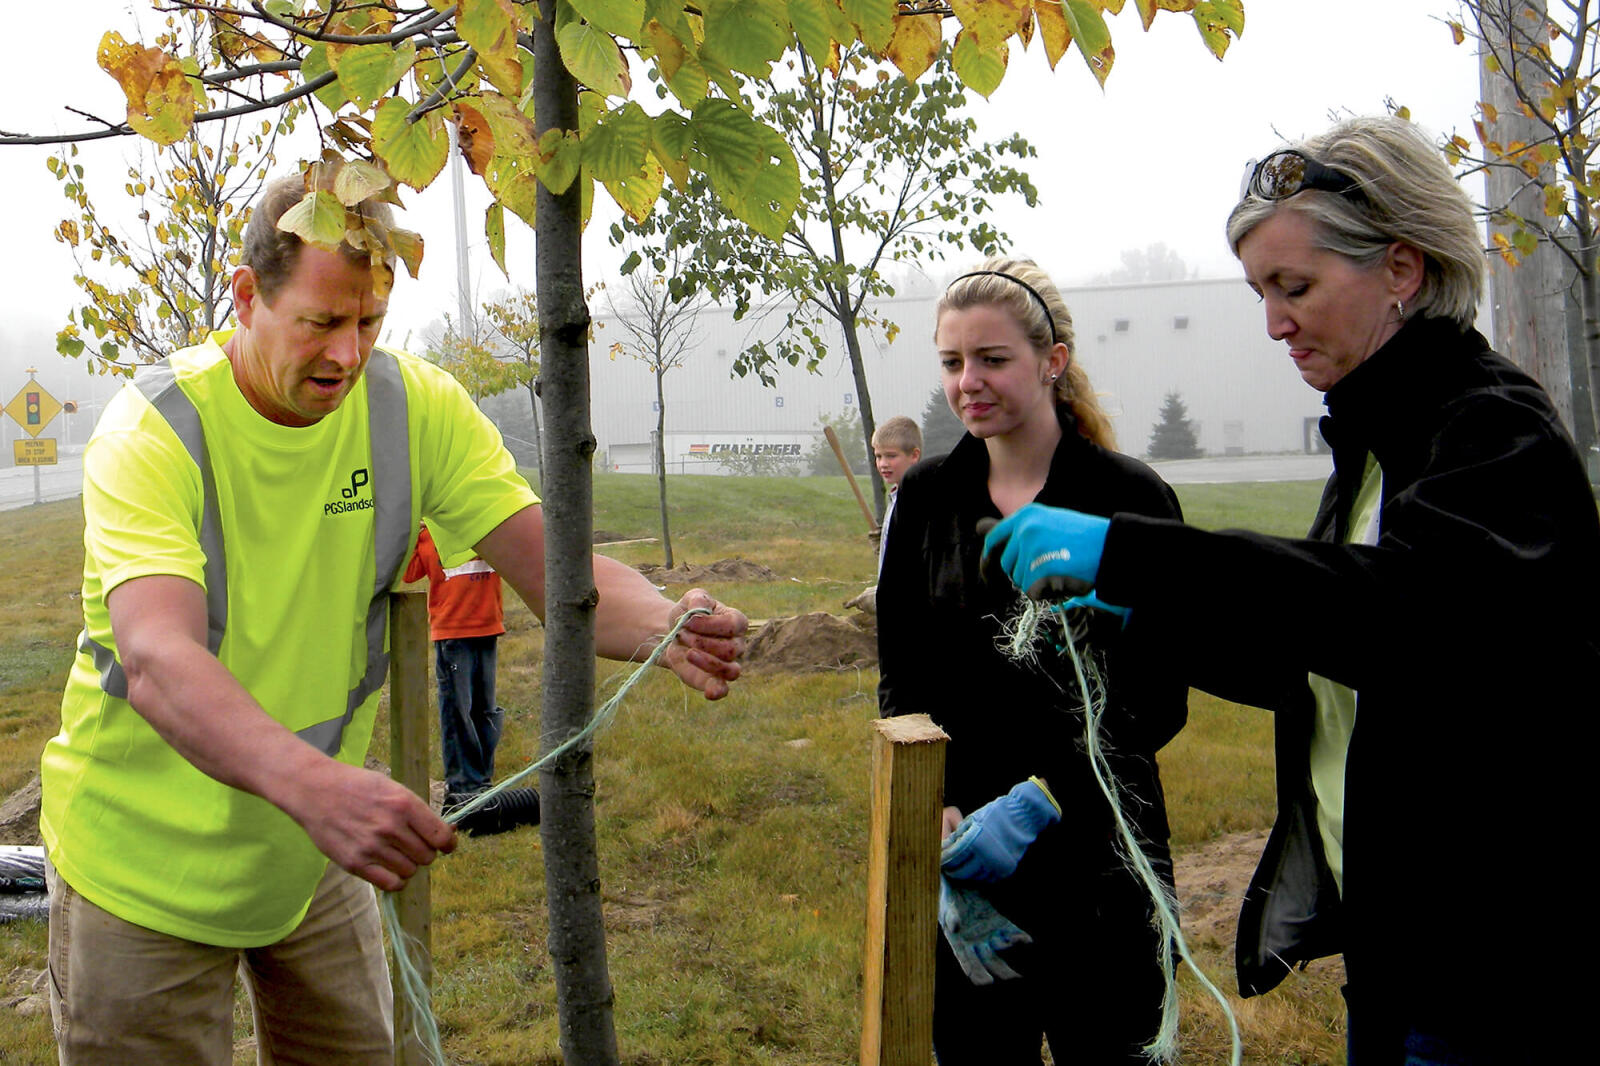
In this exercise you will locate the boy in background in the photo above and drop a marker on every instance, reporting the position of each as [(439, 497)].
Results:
[(896, 447)]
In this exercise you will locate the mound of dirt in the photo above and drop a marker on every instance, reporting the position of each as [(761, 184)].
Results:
[(19, 815), (1211, 880), (696, 574), (815, 641)]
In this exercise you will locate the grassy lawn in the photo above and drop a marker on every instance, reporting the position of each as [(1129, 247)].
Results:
[(732, 835)]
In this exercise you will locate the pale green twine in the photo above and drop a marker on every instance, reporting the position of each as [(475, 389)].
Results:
[(1020, 645), (413, 989)]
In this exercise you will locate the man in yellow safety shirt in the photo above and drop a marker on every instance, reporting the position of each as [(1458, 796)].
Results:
[(248, 503)]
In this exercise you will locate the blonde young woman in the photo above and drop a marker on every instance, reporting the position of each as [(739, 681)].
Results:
[(1431, 649), (1046, 934)]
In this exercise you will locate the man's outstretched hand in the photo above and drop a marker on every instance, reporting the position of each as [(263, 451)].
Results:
[(705, 654)]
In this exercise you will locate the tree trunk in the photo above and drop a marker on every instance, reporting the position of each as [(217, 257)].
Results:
[(1529, 317), (869, 426), (572, 869), (661, 461)]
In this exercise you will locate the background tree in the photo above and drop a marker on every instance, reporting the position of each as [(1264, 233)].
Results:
[(515, 319), (659, 328), (941, 427), (475, 363), (890, 174), (1174, 437), (1536, 134), (820, 460), (389, 74), (1154, 262)]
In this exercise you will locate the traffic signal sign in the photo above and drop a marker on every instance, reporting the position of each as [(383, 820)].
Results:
[(33, 409)]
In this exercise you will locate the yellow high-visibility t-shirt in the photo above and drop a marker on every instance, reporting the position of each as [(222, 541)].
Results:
[(129, 823)]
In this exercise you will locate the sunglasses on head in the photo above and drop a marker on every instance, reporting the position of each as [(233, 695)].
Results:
[(1288, 171)]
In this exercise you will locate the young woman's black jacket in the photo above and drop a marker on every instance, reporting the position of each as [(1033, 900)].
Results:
[(939, 625)]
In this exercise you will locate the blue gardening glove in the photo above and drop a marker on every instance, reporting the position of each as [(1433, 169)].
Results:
[(977, 933), (990, 841), (1093, 600), (1047, 552)]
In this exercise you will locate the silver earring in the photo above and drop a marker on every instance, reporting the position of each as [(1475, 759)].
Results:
[(1054, 376), (1400, 309)]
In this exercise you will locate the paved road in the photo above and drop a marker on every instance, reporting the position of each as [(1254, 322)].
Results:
[(1245, 468), (58, 482)]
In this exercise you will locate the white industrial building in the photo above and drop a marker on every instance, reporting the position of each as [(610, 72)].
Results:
[(1204, 339)]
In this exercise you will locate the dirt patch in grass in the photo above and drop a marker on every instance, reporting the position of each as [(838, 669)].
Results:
[(701, 574), (19, 815), (815, 641)]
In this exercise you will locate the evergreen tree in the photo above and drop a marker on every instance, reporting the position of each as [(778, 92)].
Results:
[(940, 426), (1174, 436)]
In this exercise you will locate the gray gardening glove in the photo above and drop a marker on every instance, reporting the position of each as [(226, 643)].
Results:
[(977, 933)]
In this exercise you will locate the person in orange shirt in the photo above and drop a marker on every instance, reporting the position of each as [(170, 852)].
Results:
[(465, 619)]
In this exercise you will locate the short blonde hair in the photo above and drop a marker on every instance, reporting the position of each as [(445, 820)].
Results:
[(1404, 192), (899, 433), (1072, 388)]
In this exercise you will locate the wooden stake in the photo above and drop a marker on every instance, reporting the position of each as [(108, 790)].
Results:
[(844, 464), (902, 891), (409, 650)]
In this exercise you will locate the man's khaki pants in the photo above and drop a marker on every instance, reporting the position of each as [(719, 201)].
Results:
[(123, 995)]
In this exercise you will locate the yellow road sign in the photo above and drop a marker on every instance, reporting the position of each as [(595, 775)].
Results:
[(35, 452), (33, 408)]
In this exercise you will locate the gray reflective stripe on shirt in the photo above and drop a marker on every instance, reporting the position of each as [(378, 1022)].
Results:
[(160, 386), (391, 486)]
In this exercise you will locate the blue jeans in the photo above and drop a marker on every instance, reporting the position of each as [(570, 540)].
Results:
[(469, 718)]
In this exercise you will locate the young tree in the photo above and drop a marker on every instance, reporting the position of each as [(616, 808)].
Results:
[(659, 327), (515, 319), (1174, 437), (890, 173), (1537, 133), (163, 283), (475, 363), (391, 72)]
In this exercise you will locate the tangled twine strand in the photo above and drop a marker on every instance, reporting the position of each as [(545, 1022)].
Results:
[(1020, 644), (414, 991)]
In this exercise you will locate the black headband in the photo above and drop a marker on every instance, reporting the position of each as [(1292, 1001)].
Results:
[(1048, 317)]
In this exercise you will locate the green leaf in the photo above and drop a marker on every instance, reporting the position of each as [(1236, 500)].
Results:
[(560, 157), (874, 19), (618, 146), (314, 66), (367, 72), (488, 26), (513, 186), (637, 195), (414, 152), (817, 24), (494, 228), (68, 345), (594, 59), (357, 180), (1219, 22), (980, 69), (318, 219), (1090, 34), (672, 139), (745, 35), (750, 165), (620, 17)]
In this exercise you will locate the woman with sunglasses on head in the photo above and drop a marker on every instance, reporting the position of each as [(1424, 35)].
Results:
[(1046, 933), (1431, 651)]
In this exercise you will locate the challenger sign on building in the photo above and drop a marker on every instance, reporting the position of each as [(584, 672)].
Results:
[(718, 453)]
